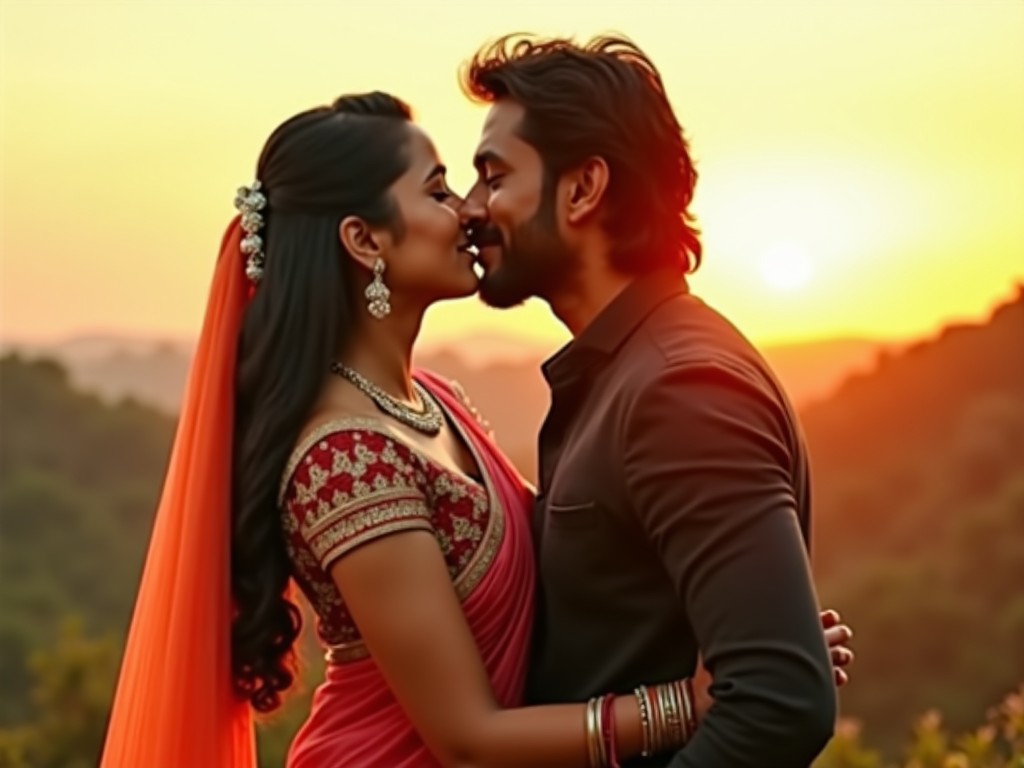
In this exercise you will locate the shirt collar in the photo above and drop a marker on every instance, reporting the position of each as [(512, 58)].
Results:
[(614, 324)]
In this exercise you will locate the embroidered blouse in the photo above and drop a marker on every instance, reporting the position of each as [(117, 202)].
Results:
[(352, 481)]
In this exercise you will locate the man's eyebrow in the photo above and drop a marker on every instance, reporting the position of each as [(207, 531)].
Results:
[(487, 156)]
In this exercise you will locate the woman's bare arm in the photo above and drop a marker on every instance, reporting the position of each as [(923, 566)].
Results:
[(399, 592)]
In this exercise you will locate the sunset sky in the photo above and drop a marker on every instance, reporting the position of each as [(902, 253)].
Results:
[(862, 164)]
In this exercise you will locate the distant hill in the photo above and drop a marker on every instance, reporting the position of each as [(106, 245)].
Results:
[(957, 398), (501, 373), (918, 469), (911, 397), (151, 371), (79, 481)]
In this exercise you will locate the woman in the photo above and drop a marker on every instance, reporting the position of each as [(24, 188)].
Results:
[(309, 450)]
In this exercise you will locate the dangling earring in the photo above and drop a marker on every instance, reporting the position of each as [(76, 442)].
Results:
[(377, 294)]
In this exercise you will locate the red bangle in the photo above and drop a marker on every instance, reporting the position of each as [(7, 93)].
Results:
[(608, 720), (657, 720)]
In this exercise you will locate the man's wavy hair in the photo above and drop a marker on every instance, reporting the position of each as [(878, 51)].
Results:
[(604, 98)]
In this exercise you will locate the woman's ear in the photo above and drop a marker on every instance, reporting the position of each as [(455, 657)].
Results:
[(363, 243)]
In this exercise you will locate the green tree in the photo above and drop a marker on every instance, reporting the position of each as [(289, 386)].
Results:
[(70, 694)]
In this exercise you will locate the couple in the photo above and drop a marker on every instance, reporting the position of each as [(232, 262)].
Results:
[(468, 619)]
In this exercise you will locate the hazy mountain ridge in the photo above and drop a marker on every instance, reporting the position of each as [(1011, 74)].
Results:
[(154, 370)]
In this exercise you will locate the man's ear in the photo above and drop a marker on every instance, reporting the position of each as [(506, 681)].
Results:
[(587, 186)]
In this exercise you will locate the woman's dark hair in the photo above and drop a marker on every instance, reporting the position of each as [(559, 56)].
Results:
[(317, 168), (605, 99)]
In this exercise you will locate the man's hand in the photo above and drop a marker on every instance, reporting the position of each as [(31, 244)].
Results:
[(837, 635)]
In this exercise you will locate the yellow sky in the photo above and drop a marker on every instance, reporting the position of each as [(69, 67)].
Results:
[(878, 146)]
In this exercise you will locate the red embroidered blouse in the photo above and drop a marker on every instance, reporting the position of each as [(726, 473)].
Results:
[(354, 480)]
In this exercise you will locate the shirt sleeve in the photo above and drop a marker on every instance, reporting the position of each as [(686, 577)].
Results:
[(352, 487), (709, 470)]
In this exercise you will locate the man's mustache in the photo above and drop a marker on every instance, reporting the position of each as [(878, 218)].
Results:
[(485, 235)]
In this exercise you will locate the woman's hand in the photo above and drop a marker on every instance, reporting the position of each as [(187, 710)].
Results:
[(837, 635)]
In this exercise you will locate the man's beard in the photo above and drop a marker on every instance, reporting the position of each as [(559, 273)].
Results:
[(535, 261)]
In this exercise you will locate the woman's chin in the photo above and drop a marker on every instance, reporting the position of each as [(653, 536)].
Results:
[(464, 286), (471, 288)]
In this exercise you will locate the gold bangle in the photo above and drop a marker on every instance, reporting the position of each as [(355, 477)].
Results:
[(670, 719), (594, 733), (666, 722), (601, 746), (680, 719), (688, 718), (680, 716), (677, 695), (588, 720), (645, 722), (672, 707), (658, 718), (691, 700), (657, 724), (595, 738)]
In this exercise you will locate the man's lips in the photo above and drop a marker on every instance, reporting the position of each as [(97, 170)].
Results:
[(485, 237)]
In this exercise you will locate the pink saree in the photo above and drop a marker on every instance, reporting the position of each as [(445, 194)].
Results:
[(355, 720)]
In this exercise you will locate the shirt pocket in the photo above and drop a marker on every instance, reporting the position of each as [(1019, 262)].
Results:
[(576, 515)]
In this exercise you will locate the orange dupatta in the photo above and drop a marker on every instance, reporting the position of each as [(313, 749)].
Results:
[(175, 706)]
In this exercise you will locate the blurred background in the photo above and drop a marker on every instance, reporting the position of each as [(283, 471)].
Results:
[(862, 204)]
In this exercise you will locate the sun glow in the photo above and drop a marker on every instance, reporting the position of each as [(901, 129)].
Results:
[(786, 267), (826, 174)]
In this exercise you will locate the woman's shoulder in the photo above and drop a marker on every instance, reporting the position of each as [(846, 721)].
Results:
[(347, 446)]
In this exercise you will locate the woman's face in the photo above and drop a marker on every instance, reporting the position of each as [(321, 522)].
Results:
[(431, 260)]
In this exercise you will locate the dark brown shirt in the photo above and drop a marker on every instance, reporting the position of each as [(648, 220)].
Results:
[(672, 515)]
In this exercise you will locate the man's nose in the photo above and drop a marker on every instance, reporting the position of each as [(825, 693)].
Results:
[(473, 209)]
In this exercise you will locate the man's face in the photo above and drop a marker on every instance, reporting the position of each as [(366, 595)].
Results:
[(511, 211)]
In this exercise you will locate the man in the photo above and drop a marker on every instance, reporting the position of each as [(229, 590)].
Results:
[(673, 505)]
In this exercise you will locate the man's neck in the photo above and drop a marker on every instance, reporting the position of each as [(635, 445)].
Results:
[(591, 290)]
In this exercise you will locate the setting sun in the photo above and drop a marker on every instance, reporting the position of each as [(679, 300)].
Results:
[(786, 267)]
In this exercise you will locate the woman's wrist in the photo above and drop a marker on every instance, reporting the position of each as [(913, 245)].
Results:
[(655, 719)]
